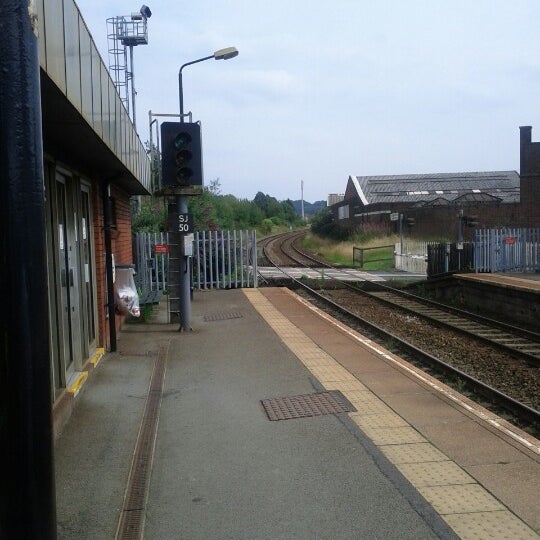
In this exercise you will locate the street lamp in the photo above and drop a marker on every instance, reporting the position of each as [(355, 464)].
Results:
[(182, 200), (222, 54)]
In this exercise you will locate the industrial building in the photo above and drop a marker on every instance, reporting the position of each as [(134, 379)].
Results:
[(433, 202)]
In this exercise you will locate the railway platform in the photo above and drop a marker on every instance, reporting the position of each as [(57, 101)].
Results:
[(411, 458)]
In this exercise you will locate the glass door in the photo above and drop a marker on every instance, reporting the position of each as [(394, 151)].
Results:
[(68, 264)]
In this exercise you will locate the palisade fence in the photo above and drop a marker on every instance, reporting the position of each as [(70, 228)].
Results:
[(411, 256), (507, 250), (225, 259), (449, 258), (151, 268), (493, 250), (221, 260)]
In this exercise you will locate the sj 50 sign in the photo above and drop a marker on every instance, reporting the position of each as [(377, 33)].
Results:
[(185, 223)]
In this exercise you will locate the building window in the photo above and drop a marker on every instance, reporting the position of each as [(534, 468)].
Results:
[(343, 212)]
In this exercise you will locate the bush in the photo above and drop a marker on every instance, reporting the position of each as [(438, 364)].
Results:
[(324, 225), (368, 231), (266, 226), (151, 218)]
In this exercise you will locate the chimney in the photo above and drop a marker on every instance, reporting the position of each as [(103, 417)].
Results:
[(525, 134), (525, 138)]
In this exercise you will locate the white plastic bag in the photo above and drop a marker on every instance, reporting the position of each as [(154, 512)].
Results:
[(127, 299)]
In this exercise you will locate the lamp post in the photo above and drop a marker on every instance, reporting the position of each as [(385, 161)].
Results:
[(222, 54), (182, 200)]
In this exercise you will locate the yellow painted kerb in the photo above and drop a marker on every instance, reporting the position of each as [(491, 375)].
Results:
[(97, 357), (77, 385)]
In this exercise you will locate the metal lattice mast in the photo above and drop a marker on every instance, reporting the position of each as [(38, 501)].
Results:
[(123, 32)]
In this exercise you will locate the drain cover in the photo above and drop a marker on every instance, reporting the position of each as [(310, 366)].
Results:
[(210, 317), (126, 352), (287, 408)]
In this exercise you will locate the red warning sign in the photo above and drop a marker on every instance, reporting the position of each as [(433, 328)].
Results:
[(161, 248)]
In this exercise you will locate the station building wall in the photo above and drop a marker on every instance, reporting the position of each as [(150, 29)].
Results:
[(90, 147), (122, 250)]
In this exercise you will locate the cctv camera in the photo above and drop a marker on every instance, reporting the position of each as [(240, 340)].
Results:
[(145, 12)]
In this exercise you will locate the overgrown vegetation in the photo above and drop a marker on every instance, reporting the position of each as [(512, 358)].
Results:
[(152, 216), (324, 225), (341, 253), (213, 211)]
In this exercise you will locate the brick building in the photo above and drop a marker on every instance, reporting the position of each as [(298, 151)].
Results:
[(530, 178), (94, 163), (434, 201)]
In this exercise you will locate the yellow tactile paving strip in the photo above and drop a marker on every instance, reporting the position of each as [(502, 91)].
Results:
[(469, 509)]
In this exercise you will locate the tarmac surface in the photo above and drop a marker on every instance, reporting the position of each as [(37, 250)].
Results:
[(222, 469)]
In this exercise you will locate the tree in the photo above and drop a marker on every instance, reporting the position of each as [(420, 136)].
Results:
[(152, 216), (280, 212), (324, 224)]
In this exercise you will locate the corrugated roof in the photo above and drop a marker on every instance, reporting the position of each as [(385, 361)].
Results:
[(415, 188)]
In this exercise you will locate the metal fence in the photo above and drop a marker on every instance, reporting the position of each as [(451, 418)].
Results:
[(411, 256), (221, 260), (449, 257), (225, 259), (151, 267), (363, 256), (507, 250)]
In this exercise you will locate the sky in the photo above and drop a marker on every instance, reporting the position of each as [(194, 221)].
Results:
[(324, 90)]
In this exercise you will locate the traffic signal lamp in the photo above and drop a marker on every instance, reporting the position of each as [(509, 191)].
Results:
[(181, 155)]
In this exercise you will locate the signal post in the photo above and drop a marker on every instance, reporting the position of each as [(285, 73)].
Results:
[(182, 177)]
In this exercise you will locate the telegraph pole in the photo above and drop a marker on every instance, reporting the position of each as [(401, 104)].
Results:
[(27, 498), (302, 197)]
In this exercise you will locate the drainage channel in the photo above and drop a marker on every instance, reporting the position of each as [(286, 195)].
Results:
[(132, 517)]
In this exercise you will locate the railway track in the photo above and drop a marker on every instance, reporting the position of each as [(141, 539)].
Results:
[(512, 341), (280, 251), (520, 342), (515, 340)]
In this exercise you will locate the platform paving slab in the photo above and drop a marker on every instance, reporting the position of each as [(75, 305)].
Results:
[(93, 453), (223, 470), (464, 432)]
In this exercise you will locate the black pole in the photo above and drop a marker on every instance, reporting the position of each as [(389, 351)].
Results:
[(107, 221), (180, 90), (27, 497)]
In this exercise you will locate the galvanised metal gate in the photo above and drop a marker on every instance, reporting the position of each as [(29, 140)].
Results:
[(151, 267), (444, 258), (224, 259), (221, 260), (507, 250)]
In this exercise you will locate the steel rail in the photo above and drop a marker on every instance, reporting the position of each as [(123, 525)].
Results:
[(521, 410), (518, 341), (501, 399)]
